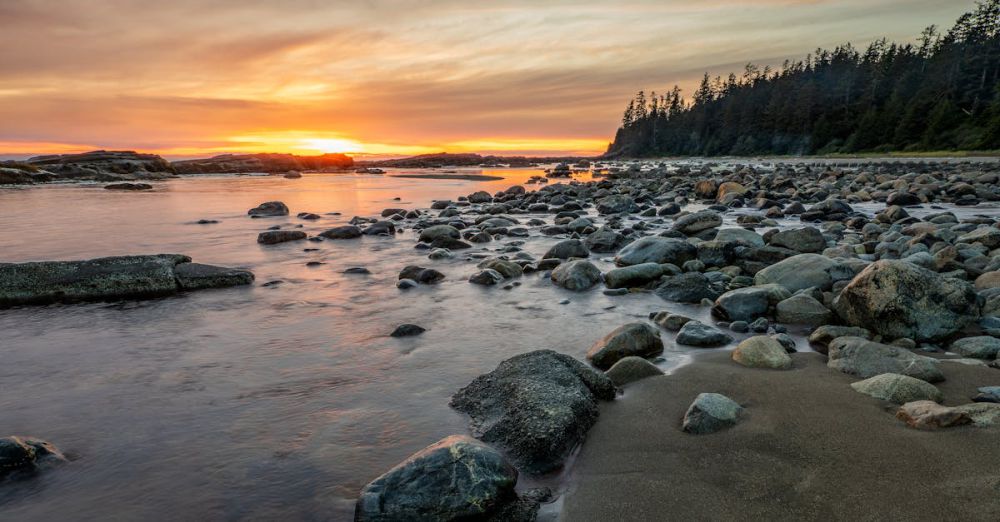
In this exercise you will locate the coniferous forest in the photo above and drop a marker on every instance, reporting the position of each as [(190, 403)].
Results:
[(939, 94)]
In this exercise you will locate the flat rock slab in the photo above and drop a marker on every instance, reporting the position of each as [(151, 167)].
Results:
[(803, 431)]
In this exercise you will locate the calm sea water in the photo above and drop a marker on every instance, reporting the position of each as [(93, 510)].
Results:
[(266, 402)]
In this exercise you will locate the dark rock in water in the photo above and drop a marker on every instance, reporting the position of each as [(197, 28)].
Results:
[(711, 412), (207, 221), (631, 369), (457, 478), (431, 233), (902, 199), (508, 269), (380, 228), (357, 270), (805, 240), (108, 278), (576, 275), (864, 358), (342, 232), (129, 186), (616, 204), (450, 243), (800, 272), (695, 333), (269, 209), (421, 274), (656, 250), (407, 330), (536, 406), (899, 299), (26, 454), (196, 276), (669, 321), (690, 287), (633, 276), (988, 394), (638, 339), (487, 277), (308, 216), (742, 304), (273, 237), (604, 240), (696, 222), (566, 249)]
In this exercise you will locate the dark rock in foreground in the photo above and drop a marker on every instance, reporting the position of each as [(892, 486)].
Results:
[(457, 478), (25, 454), (110, 278), (536, 406)]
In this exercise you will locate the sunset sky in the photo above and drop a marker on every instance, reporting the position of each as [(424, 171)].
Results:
[(187, 78)]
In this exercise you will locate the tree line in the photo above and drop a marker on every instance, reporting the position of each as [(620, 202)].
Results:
[(940, 93)]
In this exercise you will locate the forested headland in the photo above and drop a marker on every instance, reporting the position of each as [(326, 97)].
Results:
[(941, 93)]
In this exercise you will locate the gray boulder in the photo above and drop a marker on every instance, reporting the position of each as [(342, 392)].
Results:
[(196, 276), (740, 235), (979, 347), (431, 233), (576, 275), (695, 333), (897, 388), (711, 412), (567, 249), (689, 287), (420, 274), (508, 269), (536, 406), (743, 304), (864, 358), (456, 478), (487, 277), (637, 339), (899, 299), (633, 276), (616, 204), (696, 222), (604, 240), (631, 369), (656, 250), (762, 352), (821, 337), (799, 272), (803, 309), (805, 240), (343, 232)]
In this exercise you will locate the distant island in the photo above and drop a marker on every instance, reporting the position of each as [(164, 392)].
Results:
[(938, 95)]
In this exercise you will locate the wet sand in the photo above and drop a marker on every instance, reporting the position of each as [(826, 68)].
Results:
[(808, 448)]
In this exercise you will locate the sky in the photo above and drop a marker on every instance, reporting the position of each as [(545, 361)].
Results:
[(192, 78)]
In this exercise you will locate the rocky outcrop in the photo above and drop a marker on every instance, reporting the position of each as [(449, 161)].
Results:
[(536, 406), (262, 163), (104, 165), (109, 278)]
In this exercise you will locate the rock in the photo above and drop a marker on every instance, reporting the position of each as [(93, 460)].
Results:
[(567, 249), (822, 336), (576, 275), (407, 330), (604, 240), (988, 394), (129, 186), (799, 273), (711, 412), (342, 232), (406, 284), (455, 478), (269, 209), (690, 287), (273, 237), (743, 304), (863, 358), (897, 388), (196, 276), (488, 277), (706, 189), (805, 240), (695, 333), (988, 280), (658, 250), (986, 236), (380, 228), (803, 309), (762, 352), (637, 339), (449, 243), (740, 235), (902, 199), (899, 299), (728, 190), (108, 278), (480, 197), (536, 406), (982, 414), (508, 269), (631, 369), (429, 234), (633, 276), (263, 162), (616, 204), (700, 221), (420, 274), (930, 415), (669, 321), (980, 347), (357, 270), (26, 454)]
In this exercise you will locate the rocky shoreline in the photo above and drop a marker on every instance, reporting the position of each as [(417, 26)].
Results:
[(901, 306)]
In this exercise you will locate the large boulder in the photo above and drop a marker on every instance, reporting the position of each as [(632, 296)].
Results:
[(863, 358), (656, 250), (455, 478), (633, 276), (747, 304), (342, 232), (800, 272), (536, 406), (576, 275), (987, 236), (897, 388), (631, 369), (711, 412), (696, 222), (567, 249), (26, 454), (604, 240), (978, 347), (273, 237), (269, 209), (762, 352), (689, 287), (806, 240), (803, 309), (696, 333), (639, 339), (508, 269), (899, 299), (431, 233), (108, 278), (740, 235), (616, 204)]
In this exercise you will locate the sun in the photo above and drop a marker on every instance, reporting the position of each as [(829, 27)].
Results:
[(329, 145)]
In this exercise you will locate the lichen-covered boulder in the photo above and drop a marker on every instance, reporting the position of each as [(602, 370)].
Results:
[(897, 388)]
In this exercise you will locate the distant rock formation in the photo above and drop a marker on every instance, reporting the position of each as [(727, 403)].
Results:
[(103, 165), (265, 163)]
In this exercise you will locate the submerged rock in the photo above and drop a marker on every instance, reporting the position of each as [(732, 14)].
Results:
[(407, 330), (536, 406), (26, 454), (109, 278), (273, 237), (456, 478), (637, 339), (711, 412), (342, 232)]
